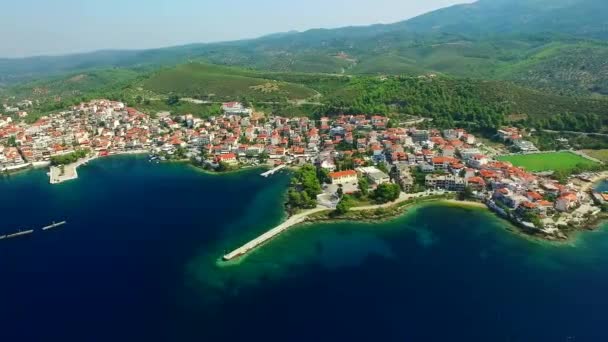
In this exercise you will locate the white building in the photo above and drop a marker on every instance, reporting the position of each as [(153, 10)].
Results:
[(236, 108), (375, 176)]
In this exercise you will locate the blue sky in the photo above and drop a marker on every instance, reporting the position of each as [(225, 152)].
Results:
[(41, 27)]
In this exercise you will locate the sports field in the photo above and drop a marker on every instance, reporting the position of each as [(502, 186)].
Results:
[(555, 161)]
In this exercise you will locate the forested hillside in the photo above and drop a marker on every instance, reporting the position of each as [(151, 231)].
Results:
[(547, 44)]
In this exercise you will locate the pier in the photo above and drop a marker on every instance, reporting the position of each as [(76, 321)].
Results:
[(21, 233), (273, 171), (292, 221), (54, 225)]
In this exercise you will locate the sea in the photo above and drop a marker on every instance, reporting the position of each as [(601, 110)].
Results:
[(140, 260)]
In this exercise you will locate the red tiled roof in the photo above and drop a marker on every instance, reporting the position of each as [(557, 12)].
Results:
[(341, 174)]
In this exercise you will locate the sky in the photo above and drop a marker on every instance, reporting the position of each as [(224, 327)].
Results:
[(54, 27)]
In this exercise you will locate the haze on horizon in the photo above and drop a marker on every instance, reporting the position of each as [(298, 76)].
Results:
[(41, 27)]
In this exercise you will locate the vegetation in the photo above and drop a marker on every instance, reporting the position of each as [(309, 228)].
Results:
[(550, 44), (304, 188), (69, 157), (598, 154), (212, 82), (557, 161), (386, 192), (345, 204)]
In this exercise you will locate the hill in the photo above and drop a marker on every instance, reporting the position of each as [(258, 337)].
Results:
[(557, 45), (75, 84), (222, 83), (583, 18)]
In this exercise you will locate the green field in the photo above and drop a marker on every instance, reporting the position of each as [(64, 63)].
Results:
[(556, 161)]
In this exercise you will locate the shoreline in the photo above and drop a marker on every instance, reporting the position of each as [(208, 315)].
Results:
[(398, 207), (70, 171), (593, 182), (394, 210)]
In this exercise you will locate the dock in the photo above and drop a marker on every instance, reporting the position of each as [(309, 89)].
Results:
[(20, 233), (253, 244), (54, 225), (273, 171)]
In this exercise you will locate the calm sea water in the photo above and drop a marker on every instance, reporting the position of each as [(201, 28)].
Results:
[(138, 261)]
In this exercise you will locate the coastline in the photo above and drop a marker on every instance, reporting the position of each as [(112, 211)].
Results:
[(592, 183), (70, 171), (223, 173), (390, 211)]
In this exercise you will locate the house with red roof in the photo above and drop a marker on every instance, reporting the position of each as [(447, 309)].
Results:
[(228, 158), (566, 202), (344, 177)]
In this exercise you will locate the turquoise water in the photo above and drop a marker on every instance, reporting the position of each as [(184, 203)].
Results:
[(602, 186), (139, 260)]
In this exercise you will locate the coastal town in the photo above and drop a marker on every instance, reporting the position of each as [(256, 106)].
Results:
[(348, 148)]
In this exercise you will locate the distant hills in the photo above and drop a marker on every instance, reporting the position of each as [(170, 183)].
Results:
[(583, 18), (554, 45)]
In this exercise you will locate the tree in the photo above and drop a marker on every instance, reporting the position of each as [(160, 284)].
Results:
[(305, 187), (387, 192), (364, 187), (172, 100), (382, 167), (467, 193), (263, 157), (340, 191), (323, 176), (345, 204), (223, 167)]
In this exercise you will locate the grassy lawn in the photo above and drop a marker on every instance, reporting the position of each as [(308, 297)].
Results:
[(598, 154), (557, 161)]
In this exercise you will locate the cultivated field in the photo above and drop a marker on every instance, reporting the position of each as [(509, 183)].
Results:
[(555, 161)]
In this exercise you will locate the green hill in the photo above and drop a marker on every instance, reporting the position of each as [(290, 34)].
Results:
[(583, 18), (546, 44), (571, 68), (75, 84), (219, 82)]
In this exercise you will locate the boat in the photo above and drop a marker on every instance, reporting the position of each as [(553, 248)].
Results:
[(19, 233), (54, 225)]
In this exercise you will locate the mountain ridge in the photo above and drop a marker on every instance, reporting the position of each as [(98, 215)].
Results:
[(488, 39)]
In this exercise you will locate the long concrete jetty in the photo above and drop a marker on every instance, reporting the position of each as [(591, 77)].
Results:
[(292, 221), (273, 171)]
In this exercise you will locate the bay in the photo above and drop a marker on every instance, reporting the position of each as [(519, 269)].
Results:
[(139, 260)]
